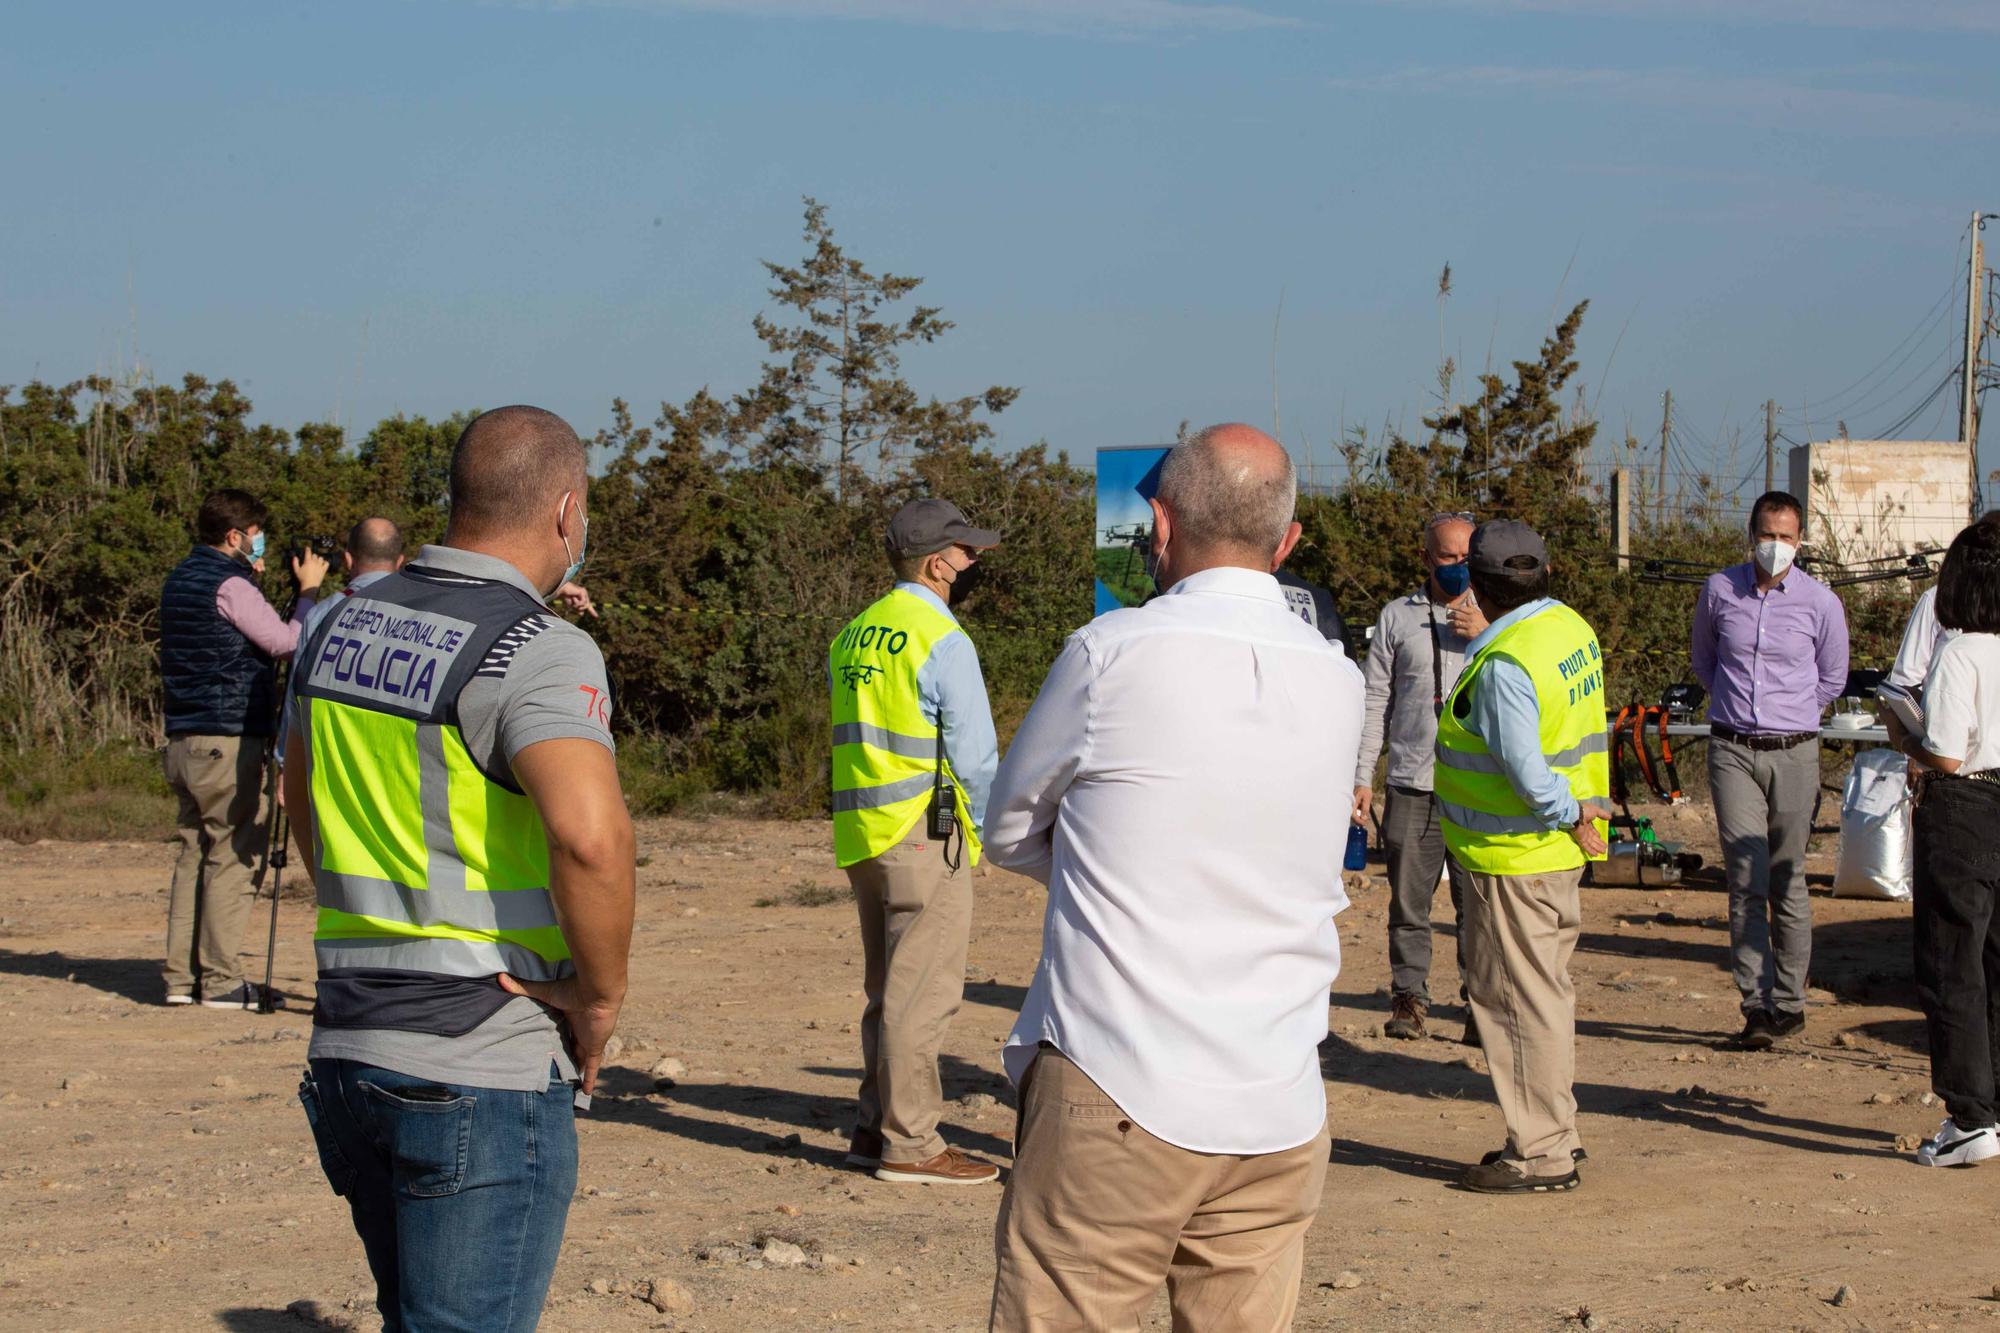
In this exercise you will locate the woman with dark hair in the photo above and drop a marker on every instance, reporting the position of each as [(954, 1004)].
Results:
[(1956, 916)]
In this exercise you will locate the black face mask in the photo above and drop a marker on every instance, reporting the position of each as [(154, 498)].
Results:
[(962, 587)]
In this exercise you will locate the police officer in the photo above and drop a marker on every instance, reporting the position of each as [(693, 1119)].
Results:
[(450, 770), (1522, 778), (220, 643), (912, 730)]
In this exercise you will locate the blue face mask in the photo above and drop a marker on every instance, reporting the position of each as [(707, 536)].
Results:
[(1453, 580), (256, 548)]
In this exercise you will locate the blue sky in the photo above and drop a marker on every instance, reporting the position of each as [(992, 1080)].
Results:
[(422, 205)]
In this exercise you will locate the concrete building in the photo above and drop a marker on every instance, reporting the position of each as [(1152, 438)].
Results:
[(1869, 498)]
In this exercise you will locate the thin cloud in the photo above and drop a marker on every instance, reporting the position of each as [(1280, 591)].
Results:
[(1982, 16), (1852, 108), (1056, 17)]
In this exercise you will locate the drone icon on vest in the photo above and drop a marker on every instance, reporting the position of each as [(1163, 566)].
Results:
[(858, 675)]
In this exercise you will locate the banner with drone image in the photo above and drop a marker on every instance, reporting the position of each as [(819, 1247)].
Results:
[(1127, 477)]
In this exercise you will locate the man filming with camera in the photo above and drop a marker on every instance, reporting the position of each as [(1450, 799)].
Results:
[(220, 643)]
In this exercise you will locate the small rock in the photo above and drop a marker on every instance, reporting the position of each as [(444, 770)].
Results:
[(1345, 1280), (599, 1286), (1843, 1175), (789, 1209), (1928, 1099), (614, 1048), (1909, 1142), (690, 911), (1881, 1099), (71, 1082), (782, 1254), (222, 1081), (977, 1101), (1847, 1041), (1845, 1296), (669, 1297), (669, 1067)]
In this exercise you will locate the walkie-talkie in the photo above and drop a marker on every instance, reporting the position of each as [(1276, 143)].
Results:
[(944, 799)]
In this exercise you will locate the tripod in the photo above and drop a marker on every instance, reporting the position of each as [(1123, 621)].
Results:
[(276, 832)]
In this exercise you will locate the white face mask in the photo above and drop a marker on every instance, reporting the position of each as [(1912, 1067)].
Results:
[(1774, 557)]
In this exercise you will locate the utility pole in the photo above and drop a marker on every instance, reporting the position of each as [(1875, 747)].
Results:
[(1770, 444), (1621, 514), (1968, 389), (1666, 430)]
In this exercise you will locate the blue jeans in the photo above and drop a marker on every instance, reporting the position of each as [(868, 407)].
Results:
[(459, 1194)]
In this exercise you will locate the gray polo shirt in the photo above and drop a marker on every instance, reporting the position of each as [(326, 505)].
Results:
[(1410, 634), (545, 681)]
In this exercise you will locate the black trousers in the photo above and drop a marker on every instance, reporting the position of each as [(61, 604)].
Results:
[(1956, 934)]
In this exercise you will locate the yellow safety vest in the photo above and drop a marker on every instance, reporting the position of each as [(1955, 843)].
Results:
[(885, 749), (1487, 826), (426, 863)]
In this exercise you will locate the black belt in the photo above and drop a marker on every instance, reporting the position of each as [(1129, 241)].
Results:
[(1764, 742)]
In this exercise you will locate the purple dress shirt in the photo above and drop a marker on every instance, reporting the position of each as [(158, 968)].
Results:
[(1770, 661)]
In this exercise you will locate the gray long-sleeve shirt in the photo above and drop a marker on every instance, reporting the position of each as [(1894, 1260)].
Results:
[(1402, 688)]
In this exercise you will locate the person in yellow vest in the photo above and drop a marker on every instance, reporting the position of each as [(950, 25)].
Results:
[(913, 753), (1523, 783), (450, 775)]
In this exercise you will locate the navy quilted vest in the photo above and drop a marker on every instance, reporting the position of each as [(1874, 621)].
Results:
[(217, 682)]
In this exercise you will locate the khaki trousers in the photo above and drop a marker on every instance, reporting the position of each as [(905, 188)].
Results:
[(1098, 1213), (916, 921), (219, 783), (1522, 931)]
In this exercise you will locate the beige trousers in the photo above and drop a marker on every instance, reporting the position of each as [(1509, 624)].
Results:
[(916, 921), (219, 783), (1098, 1213), (1521, 931)]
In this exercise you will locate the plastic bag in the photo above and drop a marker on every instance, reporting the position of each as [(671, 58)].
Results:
[(1875, 851)]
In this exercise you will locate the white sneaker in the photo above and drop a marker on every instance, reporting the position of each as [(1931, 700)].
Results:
[(180, 997), (240, 996), (1953, 1146)]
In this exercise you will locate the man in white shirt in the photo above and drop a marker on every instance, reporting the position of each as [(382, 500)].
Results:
[(1175, 785)]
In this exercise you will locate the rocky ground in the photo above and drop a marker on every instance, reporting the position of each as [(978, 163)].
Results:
[(157, 1175)]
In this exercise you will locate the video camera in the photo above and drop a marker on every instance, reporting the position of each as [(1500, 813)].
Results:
[(325, 546)]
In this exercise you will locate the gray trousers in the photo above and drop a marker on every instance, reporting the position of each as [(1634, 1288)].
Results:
[(1763, 814), (1414, 833)]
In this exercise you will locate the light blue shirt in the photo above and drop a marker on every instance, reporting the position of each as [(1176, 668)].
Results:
[(1506, 715), (952, 690), (313, 617)]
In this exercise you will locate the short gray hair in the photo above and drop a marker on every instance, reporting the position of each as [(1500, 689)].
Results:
[(1218, 501)]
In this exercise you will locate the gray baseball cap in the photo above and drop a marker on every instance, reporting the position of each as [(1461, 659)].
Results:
[(923, 526), (1499, 540)]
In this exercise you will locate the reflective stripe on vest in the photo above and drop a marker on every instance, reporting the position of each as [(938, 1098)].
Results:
[(425, 862), (885, 749), (1487, 825)]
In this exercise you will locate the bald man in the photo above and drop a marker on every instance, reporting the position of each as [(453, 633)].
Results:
[(456, 801), (1171, 787)]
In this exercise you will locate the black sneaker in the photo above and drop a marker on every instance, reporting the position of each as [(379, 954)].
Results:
[(240, 996), (1505, 1177), (1786, 1024), (1757, 1034)]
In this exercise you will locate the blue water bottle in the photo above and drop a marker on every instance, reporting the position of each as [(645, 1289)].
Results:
[(1357, 848)]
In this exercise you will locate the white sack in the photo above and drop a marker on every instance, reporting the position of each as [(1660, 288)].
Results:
[(1875, 829)]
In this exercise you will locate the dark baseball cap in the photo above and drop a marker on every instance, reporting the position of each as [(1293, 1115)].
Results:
[(923, 526), (1499, 540)]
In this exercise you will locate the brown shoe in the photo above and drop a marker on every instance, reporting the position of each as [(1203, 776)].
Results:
[(864, 1148), (1406, 1018), (950, 1167)]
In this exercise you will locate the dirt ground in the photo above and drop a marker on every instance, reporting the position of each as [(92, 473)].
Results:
[(157, 1175)]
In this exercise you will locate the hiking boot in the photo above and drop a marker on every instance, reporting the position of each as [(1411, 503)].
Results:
[(1955, 1146), (864, 1149), (1786, 1024), (240, 996), (1756, 1034), (1406, 1018), (950, 1167), (1506, 1177)]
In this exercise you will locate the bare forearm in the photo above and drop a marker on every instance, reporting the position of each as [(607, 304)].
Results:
[(593, 891)]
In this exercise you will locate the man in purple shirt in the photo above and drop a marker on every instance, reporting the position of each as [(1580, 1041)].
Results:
[(220, 642), (1770, 647)]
